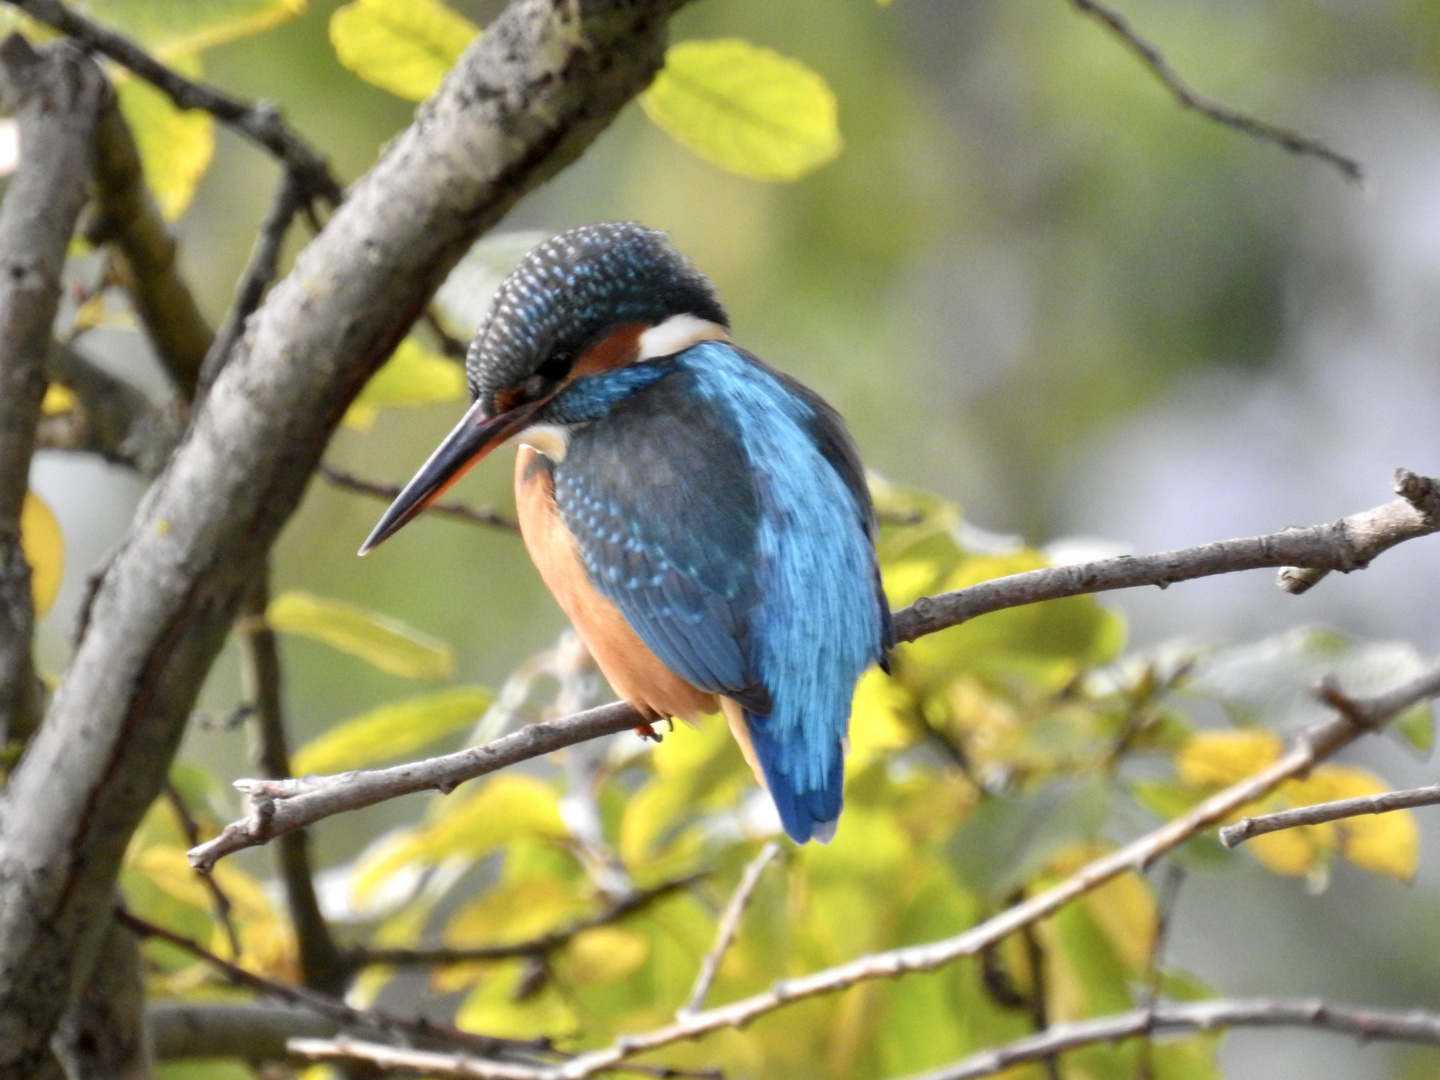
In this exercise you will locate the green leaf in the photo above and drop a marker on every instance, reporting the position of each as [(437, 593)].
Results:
[(745, 108), (379, 640), (175, 145), (168, 28), (1416, 725), (392, 730), (413, 376), (403, 46)]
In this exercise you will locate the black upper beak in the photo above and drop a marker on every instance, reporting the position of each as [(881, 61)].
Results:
[(474, 437)]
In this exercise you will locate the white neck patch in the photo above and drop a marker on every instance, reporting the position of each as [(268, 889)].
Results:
[(678, 333), (552, 440)]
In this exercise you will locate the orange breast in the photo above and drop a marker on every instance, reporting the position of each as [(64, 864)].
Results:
[(634, 672)]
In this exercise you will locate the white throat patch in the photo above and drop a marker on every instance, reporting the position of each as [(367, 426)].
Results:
[(678, 333)]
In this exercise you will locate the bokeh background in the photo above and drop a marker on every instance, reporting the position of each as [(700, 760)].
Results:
[(1035, 285)]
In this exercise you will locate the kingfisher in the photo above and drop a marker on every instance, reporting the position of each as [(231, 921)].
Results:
[(701, 517)]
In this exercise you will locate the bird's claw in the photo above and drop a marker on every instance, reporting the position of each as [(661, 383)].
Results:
[(648, 732)]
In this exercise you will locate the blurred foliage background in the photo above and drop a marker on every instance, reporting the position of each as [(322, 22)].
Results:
[(1036, 287)]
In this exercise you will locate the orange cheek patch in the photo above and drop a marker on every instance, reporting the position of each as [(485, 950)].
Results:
[(614, 350)]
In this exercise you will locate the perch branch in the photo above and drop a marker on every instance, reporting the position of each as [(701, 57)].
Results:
[(1347, 544), (1318, 814), (1218, 111)]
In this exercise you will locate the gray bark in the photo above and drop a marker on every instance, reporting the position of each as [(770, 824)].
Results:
[(524, 101)]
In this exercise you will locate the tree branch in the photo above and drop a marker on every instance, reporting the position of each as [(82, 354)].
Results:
[(1366, 1023), (259, 272), (145, 260), (1347, 545), (524, 100), (327, 1006), (259, 123), (540, 946), (1312, 746), (56, 96), (476, 515), (320, 964), (1221, 113), (728, 928), (111, 418), (1319, 813)]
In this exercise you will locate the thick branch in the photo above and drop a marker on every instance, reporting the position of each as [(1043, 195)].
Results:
[(260, 124), (255, 1031), (1346, 544), (1318, 814), (56, 96), (1365, 1023), (522, 102)]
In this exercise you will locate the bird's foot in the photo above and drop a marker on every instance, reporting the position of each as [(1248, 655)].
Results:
[(648, 732)]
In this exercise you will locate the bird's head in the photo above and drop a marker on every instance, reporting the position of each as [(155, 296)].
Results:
[(590, 300)]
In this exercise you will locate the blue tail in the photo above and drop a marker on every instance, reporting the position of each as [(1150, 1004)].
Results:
[(807, 798)]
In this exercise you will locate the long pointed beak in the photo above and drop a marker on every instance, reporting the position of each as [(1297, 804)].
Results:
[(474, 437)]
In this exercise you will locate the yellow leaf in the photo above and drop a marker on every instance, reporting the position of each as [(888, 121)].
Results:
[(745, 108), (604, 954), (58, 399), (175, 146), (392, 730), (498, 1007), (379, 640), (877, 719), (413, 376), (171, 28), (1381, 843), (1217, 758), (403, 46), (44, 550), (509, 807), (513, 911)]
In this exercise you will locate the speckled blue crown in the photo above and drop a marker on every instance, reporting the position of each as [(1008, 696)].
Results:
[(569, 291)]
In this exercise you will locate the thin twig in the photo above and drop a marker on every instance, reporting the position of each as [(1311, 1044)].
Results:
[(191, 828), (540, 946), (476, 515), (1155, 968), (260, 123), (260, 271), (323, 1004), (1218, 111), (1347, 544), (1319, 813), (728, 929), (1366, 1023), (1037, 1000)]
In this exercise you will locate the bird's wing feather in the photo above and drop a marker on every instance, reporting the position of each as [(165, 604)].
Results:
[(660, 499)]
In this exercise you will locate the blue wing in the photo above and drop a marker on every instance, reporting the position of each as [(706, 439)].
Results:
[(660, 498)]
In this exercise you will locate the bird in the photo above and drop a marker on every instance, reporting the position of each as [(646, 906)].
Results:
[(701, 517)]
